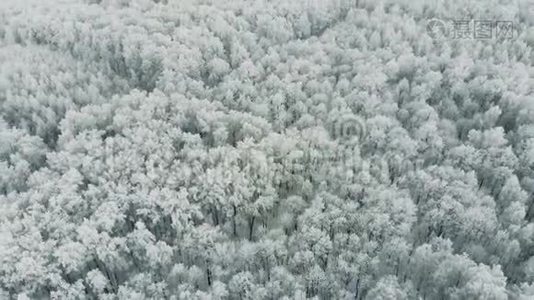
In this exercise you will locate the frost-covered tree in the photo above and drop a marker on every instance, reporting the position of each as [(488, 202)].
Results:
[(162, 149)]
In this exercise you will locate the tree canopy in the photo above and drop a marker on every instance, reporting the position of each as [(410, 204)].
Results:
[(161, 149)]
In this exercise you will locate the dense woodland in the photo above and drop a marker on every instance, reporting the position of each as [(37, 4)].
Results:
[(258, 149)]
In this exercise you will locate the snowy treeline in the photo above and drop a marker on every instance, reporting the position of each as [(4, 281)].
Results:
[(308, 149)]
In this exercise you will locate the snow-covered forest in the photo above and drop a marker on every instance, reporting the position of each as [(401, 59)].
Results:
[(253, 149)]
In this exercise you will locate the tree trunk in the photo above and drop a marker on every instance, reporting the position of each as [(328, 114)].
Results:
[(357, 290), (208, 274), (234, 225), (215, 216), (251, 228)]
